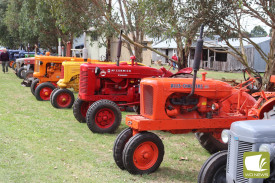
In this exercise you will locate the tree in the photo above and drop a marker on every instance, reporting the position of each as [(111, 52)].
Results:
[(229, 26), (258, 31)]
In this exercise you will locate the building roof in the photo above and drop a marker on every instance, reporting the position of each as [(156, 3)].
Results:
[(236, 43), (166, 44)]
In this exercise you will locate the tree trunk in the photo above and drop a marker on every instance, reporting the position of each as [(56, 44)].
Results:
[(108, 49)]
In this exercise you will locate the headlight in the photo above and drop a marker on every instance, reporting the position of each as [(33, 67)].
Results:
[(225, 136), (268, 148)]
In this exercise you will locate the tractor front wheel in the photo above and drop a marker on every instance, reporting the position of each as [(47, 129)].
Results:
[(34, 85), (143, 153), (119, 145), (210, 143), (103, 116), (214, 169), (80, 109), (62, 98), (43, 91), (51, 96), (13, 66), (21, 71), (11, 63)]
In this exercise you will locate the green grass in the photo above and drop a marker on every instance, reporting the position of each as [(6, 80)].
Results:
[(42, 144)]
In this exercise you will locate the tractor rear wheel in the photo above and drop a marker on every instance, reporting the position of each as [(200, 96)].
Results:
[(34, 85), (62, 98), (28, 74), (143, 153), (270, 114), (210, 143), (119, 145), (214, 169), (13, 66), (21, 72), (43, 91), (103, 116), (80, 109)]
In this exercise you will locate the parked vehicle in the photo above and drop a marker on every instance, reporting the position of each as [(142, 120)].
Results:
[(243, 136), (183, 105)]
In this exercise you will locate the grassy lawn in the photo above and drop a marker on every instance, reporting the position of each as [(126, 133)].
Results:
[(42, 144)]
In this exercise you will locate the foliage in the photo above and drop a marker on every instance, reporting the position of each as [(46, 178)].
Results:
[(258, 31)]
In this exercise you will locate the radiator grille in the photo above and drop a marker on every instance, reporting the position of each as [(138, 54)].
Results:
[(242, 147), (83, 82), (229, 154), (62, 72), (148, 99)]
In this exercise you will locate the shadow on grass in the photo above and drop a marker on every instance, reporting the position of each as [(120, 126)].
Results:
[(173, 175)]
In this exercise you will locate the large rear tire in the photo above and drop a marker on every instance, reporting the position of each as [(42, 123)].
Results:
[(210, 143), (214, 169), (34, 85), (43, 91), (119, 145), (143, 153), (103, 116), (80, 109), (62, 98), (28, 74), (270, 114)]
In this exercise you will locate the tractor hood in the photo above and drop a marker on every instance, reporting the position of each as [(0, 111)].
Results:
[(254, 131)]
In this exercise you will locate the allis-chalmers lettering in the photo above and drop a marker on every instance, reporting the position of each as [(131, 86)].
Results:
[(198, 86)]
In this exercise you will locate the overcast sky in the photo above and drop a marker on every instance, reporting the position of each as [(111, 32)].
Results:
[(249, 23)]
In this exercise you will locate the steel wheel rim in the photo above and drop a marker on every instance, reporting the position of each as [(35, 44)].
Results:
[(105, 118), (45, 93), (146, 155), (63, 99)]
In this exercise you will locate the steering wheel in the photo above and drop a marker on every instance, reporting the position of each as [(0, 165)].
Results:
[(255, 86)]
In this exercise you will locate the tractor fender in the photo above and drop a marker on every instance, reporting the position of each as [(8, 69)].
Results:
[(267, 106)]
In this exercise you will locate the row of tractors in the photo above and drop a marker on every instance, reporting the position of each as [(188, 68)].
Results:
[(177, 103)]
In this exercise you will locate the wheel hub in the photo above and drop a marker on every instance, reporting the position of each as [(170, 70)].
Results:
[(105, 118), (45, 93), (63, 99), (145, 155)]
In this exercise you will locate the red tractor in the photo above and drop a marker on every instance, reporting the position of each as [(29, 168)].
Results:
[(105, 90), (179, 106)]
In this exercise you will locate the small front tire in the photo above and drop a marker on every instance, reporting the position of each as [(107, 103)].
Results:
[(43, 91), (62, 98), (34, 85), (119, 145), (143, 153)]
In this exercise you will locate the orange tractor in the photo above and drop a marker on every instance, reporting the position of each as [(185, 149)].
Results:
[(47, 72), (183, 105)]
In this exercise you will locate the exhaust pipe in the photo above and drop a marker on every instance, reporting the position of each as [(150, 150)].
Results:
[(119, 48), (197, 59)]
